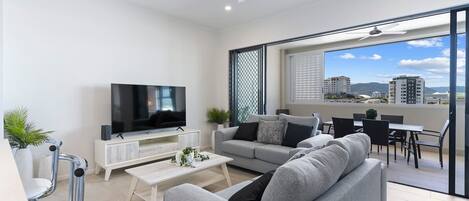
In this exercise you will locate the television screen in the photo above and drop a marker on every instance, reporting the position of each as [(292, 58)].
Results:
[(141, 107)]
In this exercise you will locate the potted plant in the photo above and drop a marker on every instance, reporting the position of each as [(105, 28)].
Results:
[(218, 116), (188, 156), (21, 134), (371, 114)]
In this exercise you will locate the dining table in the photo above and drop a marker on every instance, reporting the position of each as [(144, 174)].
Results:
[(413, 130)]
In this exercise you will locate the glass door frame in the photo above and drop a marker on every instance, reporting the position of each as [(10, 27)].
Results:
[(452, 106)]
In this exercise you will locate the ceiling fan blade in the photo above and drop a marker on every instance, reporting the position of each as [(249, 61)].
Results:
[(389, 26), (361, 32), (394, 32), (365, 37)]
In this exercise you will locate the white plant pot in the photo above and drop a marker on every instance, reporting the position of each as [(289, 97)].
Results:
[(190, 158), (219, 126), (24, 162)]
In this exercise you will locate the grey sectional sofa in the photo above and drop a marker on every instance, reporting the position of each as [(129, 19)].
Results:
[(257, 156), (362, 178), (261, 157)]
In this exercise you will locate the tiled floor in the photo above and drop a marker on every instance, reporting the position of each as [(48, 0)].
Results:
[(429, 175), (116, 189)]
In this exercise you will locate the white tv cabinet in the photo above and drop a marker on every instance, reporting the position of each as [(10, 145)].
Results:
[(136, 149)]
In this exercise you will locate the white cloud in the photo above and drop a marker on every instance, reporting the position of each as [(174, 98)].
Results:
[(461, 53), (347, 56), (435, 65), (375, 57), (372, 57), (431, 42), (427, 63)]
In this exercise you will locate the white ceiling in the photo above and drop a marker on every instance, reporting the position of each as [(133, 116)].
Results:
[(212, 13)]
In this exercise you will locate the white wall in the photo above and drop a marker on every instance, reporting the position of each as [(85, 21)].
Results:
[(272, 76), (1, 68), (63, 55), (323, 15)]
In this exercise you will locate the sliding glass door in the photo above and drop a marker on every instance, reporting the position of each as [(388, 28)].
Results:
[(247, 83)]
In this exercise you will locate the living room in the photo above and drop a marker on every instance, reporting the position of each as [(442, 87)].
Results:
[(66, 55)]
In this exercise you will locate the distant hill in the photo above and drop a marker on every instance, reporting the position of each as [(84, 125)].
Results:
[(459, 89), (369, 88)]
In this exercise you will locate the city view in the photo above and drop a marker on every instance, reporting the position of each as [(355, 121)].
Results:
[(408, 72)]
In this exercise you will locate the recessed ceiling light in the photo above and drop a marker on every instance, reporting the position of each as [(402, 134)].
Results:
[(228, 8)]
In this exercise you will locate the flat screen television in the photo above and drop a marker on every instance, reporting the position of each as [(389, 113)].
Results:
[(144, 107)]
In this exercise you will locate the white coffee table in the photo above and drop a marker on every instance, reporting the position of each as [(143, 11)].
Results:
[(159, 172)]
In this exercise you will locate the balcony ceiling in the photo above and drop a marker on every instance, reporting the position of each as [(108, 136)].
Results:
[(212, 12), (436, 24)]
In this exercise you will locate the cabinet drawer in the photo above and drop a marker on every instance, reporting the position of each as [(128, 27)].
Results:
[(121, 152)]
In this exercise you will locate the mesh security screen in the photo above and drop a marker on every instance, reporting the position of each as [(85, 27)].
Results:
[(247, 84)]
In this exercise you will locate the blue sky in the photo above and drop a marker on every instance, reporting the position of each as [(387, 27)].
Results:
[(428, 58)]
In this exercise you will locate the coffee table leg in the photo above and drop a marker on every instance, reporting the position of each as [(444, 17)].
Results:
[(154, 193), (227, 175), (133, 185)]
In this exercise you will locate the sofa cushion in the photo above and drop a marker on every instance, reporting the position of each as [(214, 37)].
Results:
[(270, 132), (296, 133), (317, 141), (306, 178), (246, 131), (302, 152), (240, 147), (357, 145), (311, 121), (228, 192), (258, 117), (273, 153), (254, 190)]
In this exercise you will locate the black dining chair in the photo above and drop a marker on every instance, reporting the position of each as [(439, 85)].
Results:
[(358, 116), (378, 130), (282, 111), (439, 144), (399, 136), (342, 127)]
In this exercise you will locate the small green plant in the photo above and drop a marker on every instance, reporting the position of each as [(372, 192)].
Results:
[(371, 114), (20, 132), (218, 116), (187, 157)]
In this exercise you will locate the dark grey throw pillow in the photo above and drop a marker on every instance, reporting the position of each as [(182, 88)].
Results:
[(246, 131), (295, 134), (270, 132), (254, 190)]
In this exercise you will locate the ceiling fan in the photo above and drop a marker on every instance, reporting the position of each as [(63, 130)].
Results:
[(379, 31)]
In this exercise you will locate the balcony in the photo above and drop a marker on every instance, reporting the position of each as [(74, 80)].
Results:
[(429, 175)]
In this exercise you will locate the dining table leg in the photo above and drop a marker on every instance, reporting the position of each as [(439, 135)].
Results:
[(414, 149)]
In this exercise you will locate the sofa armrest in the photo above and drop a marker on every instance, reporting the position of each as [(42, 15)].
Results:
[(222, 135), (315, 141), (296, 150), (189, 192), (384, 183)]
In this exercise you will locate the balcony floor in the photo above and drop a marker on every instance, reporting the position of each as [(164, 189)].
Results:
[(429, 175)]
